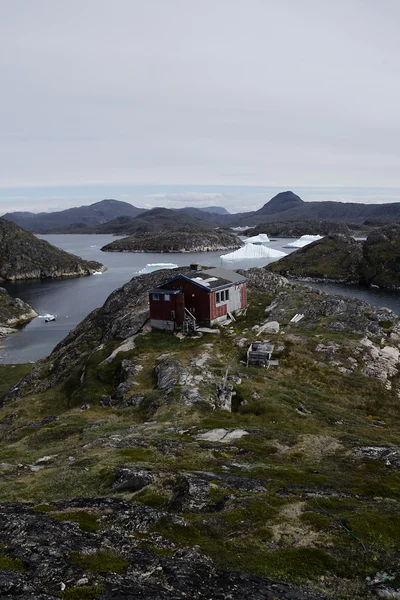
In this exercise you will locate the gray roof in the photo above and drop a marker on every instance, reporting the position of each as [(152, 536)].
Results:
[(261, 347), (216, 278), (226, 274)]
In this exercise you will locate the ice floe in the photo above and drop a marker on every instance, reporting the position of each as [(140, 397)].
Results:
[(304, 240), (150, 267), (262, 238), (250, 251)]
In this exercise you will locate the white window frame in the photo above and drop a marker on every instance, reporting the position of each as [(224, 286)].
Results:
[(167, 297)]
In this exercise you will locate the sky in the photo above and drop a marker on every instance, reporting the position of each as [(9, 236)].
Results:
[(198, 102)]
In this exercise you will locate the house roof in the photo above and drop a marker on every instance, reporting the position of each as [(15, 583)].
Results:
[(211, 279), (226, 274)]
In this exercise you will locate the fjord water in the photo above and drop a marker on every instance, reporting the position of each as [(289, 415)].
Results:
[(71, 300)]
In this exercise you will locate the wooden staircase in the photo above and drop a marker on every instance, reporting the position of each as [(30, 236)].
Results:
[(189, 323)]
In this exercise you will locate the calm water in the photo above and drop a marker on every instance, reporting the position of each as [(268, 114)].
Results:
[(72, 299)]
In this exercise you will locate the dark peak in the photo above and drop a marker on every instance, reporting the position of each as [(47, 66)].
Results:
[(215, 209), (281, 202)]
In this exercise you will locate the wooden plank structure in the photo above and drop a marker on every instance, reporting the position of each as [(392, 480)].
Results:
[(259, 354)]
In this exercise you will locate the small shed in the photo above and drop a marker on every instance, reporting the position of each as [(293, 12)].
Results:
[(259, 354), (203, 298)]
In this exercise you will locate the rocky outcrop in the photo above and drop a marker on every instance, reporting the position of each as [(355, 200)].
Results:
[(296, 229), (48, 555), (340, 258), (381, 258), (176, 241), (14, 311), (335, 257), (124, 314), (24, 256)]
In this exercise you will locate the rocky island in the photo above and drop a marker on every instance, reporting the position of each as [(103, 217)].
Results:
[(341, 258), (13, 312), (122, 476), (176, 241), (24, 256)]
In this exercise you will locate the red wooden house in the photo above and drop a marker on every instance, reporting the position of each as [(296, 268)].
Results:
[(202, 298)]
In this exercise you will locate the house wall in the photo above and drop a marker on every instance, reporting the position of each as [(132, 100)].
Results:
[(217, 311), (237, 297), (200, 302), (160, 310), (196, 298)]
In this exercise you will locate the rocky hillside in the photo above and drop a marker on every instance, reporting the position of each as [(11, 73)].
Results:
[(24, 256), (176, 241), (335, 257), (381, 258), (138, 462), (13, 311), (297, 229), (373, 262), (82, 216)]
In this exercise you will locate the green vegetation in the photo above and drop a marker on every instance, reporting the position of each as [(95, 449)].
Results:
[(102, 561), (86, 521), (10, 375), (7, 563), (309, 505)]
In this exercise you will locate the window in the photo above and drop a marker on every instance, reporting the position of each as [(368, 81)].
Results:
[(167, 297), (156, 296), (172, 315), (227, 295), (217, 296)]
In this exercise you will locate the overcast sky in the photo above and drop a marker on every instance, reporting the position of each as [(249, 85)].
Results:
[(198, 101)]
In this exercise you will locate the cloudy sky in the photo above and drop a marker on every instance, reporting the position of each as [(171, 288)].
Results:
[(174, 102)]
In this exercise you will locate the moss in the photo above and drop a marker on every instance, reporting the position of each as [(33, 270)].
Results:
[(86, 521), (10, 375), (374, 529), (102, 561), (301, 563), (316, 521), (44, 507), (386, 324), (85, 592), (152, 498), (7, 563)]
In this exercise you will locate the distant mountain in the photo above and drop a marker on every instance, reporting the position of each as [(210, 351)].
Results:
[(280, 203), (288, 207), (215, 209), (215, 219), (24, 256), (89, 216), (113, 216), (156, 219)]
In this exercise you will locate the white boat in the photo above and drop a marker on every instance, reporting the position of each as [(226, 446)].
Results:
[(49, 318)]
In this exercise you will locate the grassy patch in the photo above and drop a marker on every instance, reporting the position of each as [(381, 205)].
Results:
[(10, 375), (7, 563), (102, 561), (86, 521), (84, 592)]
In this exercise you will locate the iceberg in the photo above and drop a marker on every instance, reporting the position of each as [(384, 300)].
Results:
[(251, 251), (150, 267), (262, 238), (304, 240)]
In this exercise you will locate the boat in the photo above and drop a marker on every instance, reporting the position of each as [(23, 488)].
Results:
[(49, 318)]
